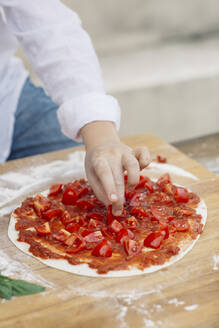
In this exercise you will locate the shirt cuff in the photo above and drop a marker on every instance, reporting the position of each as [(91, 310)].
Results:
[(76, 113)]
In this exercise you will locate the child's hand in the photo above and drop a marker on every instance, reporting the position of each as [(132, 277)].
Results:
[(106, 160)]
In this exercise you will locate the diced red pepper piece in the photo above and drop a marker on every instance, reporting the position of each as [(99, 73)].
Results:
[(55, 189), (157, 213), (66, 219), (123, 235), (168, 188), (61, 235), (103, 249), (141, 183), (115, 226), (149, 185), (95, 216), (181, 225), (78, 244), (129, 194), (161, 159), (163, 180), (139, 211), (41, 204), (154, 240), (170, 218), (72, 227), (110, 216), (125, 178), (130, 223), (43, 229), (53, 213), (165, 230), (181, 195), (85, 205), (84, 232), (79, 188), (107, 233), (136, 200), (70, 196), (93, 237), (145, 182), (132, 247), (93, 224)]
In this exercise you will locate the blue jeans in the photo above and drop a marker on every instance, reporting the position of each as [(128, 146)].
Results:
[(36, 129)]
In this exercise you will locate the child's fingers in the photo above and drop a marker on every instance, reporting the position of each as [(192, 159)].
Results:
[(106, 179), (131, 164), (143, 156)]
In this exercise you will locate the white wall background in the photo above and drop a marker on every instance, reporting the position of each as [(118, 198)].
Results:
[(160, 59)]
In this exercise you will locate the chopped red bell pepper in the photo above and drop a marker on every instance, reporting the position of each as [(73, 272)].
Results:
[(115, 226), (85, 205), (130, 223), (72, 227), (84, 232), (103, 249), (69, 196), (165, 230), (93, 237), (139, 211), (181, 225), (55, 189), (149, 185), (41, 204), (145, 182), (135, 201), (161, 159), (154, 240), (43, 229), (163, 180), (93, 224), (53, 213), (61, 235), (77, 244), (107, 233), (66, 219), (80, 188), (130, 194), (181, 195), (132, 247), (95, 216), (123, 235), (141, 183)]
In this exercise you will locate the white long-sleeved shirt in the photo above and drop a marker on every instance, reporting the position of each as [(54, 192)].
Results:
[(62, 55)]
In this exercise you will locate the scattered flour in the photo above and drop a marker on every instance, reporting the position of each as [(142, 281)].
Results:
[(176, 302), (122, 302), (191, 307), (25, 181), (149, 323), (215, 261), (172, 169), (17, 270)]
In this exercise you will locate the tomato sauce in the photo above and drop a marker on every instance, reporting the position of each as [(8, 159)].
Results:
[(156, 218)]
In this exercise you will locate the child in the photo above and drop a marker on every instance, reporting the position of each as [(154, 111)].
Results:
[(62, 55)]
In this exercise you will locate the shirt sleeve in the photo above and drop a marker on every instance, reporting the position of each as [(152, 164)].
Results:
[(62, 55)]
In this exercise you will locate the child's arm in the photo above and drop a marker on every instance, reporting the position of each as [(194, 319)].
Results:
[(62, 55)]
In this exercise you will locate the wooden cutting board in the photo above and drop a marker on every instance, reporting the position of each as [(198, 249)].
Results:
[(184, 295)]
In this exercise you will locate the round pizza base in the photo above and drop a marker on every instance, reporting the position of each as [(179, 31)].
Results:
[(85, 270)]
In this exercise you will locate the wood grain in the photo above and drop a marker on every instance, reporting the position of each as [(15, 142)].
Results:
[(160, 299)]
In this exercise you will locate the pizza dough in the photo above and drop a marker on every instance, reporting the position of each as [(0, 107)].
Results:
[(85, 270)]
